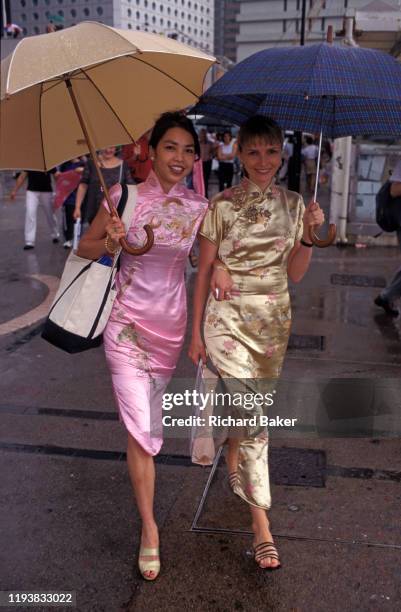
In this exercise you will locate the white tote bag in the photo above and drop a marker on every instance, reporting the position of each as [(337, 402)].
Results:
[(202, 445), (85, 297)]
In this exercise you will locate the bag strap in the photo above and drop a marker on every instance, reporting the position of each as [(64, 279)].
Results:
[(128, 206)]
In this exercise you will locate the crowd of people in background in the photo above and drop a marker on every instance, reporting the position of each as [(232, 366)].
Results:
[(77, 190)]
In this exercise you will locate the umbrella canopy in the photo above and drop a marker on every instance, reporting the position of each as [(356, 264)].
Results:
[(335, 89), (121, 81)]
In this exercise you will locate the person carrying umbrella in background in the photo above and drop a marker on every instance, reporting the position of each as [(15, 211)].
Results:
[(259, 233), (67, 180), (39, 192)]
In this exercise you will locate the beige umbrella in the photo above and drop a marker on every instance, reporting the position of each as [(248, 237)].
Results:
[(88, 87)]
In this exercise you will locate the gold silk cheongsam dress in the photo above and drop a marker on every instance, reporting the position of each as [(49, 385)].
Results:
[(246, 337)]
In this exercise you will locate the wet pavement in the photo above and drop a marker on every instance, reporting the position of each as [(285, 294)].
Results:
[(67, 513)]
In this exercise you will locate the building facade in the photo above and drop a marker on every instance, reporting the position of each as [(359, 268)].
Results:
[(272, 23), (226, 28), (189, 21)]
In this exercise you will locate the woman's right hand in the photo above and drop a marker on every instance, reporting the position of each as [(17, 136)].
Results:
[(197, 350), (115, 230), (221, 284), (77, 213)]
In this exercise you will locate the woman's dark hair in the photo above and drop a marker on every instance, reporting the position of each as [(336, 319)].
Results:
[(166, 121), (259, 127)]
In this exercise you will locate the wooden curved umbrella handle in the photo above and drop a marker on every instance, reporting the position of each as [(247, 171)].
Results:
[(322, 243), (150, 238)]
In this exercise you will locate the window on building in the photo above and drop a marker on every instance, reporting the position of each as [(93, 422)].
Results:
[(129, 26), (284, 25), (35, 2), (99, 10), (161, 22), (23, 17), (23, 2), (86, 12), (36, 16), (61, 13), (297, 26), (345, 3), (138, 27), (36, 30), (161, 8), (153, 6), (285, 5), (138, 15), (129, 12), (323, 25), (73, 13), (310, 24), (298, 5), (153, 19)]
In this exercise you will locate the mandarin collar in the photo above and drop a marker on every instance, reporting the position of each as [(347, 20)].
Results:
[(152, 184), (254, 190)]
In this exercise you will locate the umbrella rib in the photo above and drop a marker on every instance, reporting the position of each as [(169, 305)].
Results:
[(165, 74), (109, 105)]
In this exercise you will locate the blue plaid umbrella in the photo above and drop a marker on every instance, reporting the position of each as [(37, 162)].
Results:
[(337, 90)]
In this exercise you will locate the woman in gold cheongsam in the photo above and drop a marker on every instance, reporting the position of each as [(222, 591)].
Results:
[(253, 238)]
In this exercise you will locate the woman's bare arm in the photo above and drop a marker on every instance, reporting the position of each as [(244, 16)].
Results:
[(207, 255)]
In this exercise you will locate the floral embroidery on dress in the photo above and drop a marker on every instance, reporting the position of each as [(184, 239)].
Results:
[(261, 272), (229, 347)]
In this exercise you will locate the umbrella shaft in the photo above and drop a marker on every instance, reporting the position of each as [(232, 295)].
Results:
[(318, 166), (92, 150)]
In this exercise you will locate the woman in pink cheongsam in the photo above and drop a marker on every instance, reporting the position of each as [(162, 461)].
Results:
[(145, 332)]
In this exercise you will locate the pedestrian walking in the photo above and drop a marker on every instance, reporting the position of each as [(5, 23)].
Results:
[(68, 196), (39, 193), (309, 154), (392, 292), (114, 171), (145, 332), (207, 148), (255, 237), (226, 154)]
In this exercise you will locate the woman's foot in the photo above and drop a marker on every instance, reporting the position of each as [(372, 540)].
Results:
[(149, 558), (266, 555)]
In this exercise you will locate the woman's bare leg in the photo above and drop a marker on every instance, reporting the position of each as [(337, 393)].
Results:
[(232, 454), (260, 522), (142, 474)]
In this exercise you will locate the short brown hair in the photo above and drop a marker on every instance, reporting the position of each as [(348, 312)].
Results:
[(259, 127)]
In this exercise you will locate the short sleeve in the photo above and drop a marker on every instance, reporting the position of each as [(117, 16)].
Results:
[(300, 224), (212, 225)]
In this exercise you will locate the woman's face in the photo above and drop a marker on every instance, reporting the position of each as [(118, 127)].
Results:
[(227, 138), (174, 157), (261, 159), (109, 152)]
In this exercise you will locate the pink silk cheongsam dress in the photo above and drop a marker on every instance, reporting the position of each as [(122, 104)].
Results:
[(145, 332)]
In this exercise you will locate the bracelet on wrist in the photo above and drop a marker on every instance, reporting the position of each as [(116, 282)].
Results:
[(218, 265), (110, 250), (306, 244)]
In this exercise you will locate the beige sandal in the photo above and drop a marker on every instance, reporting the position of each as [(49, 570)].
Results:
[(149, 561)]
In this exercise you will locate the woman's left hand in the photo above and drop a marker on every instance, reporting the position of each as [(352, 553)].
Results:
[(313, 215)]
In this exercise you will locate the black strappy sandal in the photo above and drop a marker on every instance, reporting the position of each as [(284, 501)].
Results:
[(264, 550)]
